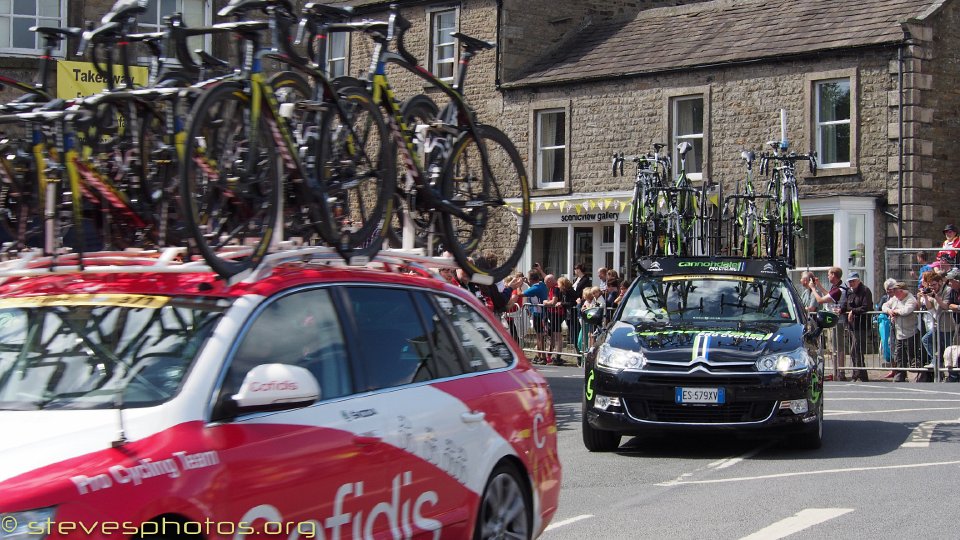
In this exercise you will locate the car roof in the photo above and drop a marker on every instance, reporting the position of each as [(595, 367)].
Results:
[(126, 277)]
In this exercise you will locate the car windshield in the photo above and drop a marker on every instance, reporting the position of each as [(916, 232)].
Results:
[(85, 351), (673, 299)]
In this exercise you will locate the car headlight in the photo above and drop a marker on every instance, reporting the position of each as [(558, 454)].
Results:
[(29, 524), (785, 362), (614, 358)]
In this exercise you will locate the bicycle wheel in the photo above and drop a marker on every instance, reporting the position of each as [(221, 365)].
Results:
[(229, 184), (356, 178), (290, 88), (417, 110), (486, 224), (789, 232)]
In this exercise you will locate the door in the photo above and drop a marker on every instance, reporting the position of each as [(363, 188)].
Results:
[(329, 450)]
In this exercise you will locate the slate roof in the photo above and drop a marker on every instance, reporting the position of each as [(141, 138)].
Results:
[(724, 31)]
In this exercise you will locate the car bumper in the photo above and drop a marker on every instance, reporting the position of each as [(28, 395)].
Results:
[(751, 403)]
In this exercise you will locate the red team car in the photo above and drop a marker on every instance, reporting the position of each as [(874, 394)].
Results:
[(147, 398)]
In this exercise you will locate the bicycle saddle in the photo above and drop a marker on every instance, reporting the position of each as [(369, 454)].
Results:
[(55, 32), (323, 10), (472, 44), (236, 7), (125, 9), (658, 146), (748, 156), (683, 148)]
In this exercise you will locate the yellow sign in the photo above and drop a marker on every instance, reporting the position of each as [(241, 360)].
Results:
[(79, 79), (118, 300)]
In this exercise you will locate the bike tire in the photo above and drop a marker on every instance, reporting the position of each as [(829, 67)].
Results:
[(291, 88), (789, 234), (356, 178), (229, 190), (418, 109), (479, 190)]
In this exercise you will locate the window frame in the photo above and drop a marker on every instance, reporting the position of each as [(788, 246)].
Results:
[(820, 124), (812, 111), (434, 44), (151, 27), (330, 58), (676, 138), (38, 21), (535, 156)]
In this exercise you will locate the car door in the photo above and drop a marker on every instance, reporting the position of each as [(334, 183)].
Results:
[(306, 467), (433, 434)]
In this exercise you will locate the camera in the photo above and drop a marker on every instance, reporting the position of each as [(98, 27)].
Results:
[(926, 290)]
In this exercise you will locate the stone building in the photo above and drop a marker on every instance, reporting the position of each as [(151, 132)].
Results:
[(872, 86)]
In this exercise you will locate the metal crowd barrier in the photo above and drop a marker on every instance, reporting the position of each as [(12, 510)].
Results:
[(531, 327), (866, 348)]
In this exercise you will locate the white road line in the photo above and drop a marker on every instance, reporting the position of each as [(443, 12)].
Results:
[(922, 400), (805, 473), (803, 519), (559, 524), (841, 413), (920, 437), (730, 462), (912, 388)]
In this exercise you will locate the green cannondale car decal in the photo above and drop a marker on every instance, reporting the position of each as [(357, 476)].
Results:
[(717, 333), (815, 392), (590, 385)]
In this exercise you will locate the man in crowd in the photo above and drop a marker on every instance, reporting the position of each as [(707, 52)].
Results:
[(858, 301), (900, 308), (807, 296), (833, 299)]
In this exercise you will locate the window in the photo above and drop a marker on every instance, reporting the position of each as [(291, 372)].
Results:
[(485, 350), (16, 18), (833, 122), (309, 336), (194, 14), (550, 248), (687, 126), (443, 47), (336, 54), (551, 148), (395, 348)]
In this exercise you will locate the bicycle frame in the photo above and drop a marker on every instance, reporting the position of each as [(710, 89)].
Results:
[(383, 95)]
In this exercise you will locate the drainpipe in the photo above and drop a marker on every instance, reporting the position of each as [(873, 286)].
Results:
[(906, 42)]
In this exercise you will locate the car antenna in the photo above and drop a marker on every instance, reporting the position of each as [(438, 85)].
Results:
[(121, 435)]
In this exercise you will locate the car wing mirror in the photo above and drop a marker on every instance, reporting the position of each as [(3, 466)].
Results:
[(270, 387), (593, 315), (826, 319)]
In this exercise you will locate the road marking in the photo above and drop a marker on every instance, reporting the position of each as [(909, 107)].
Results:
[(841, 413), (805, 473), (730, 462), (803, 519), (922, 400), (911, 388), (920, 437), (559, 524)]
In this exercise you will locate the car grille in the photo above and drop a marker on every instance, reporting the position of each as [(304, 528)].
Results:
[(709, 381), (673, 413)]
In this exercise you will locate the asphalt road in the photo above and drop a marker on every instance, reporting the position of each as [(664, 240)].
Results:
[(889, 468)]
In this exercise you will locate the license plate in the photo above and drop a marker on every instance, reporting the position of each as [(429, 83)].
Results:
[(700, 395)]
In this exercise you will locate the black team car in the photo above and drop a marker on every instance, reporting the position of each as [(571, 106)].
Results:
[(707, 344)]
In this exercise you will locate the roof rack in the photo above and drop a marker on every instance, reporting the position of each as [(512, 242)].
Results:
[(171, 260)]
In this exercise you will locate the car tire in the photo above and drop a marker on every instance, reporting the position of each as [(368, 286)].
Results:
[(505, 506), (598, 440), (811, 438)]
